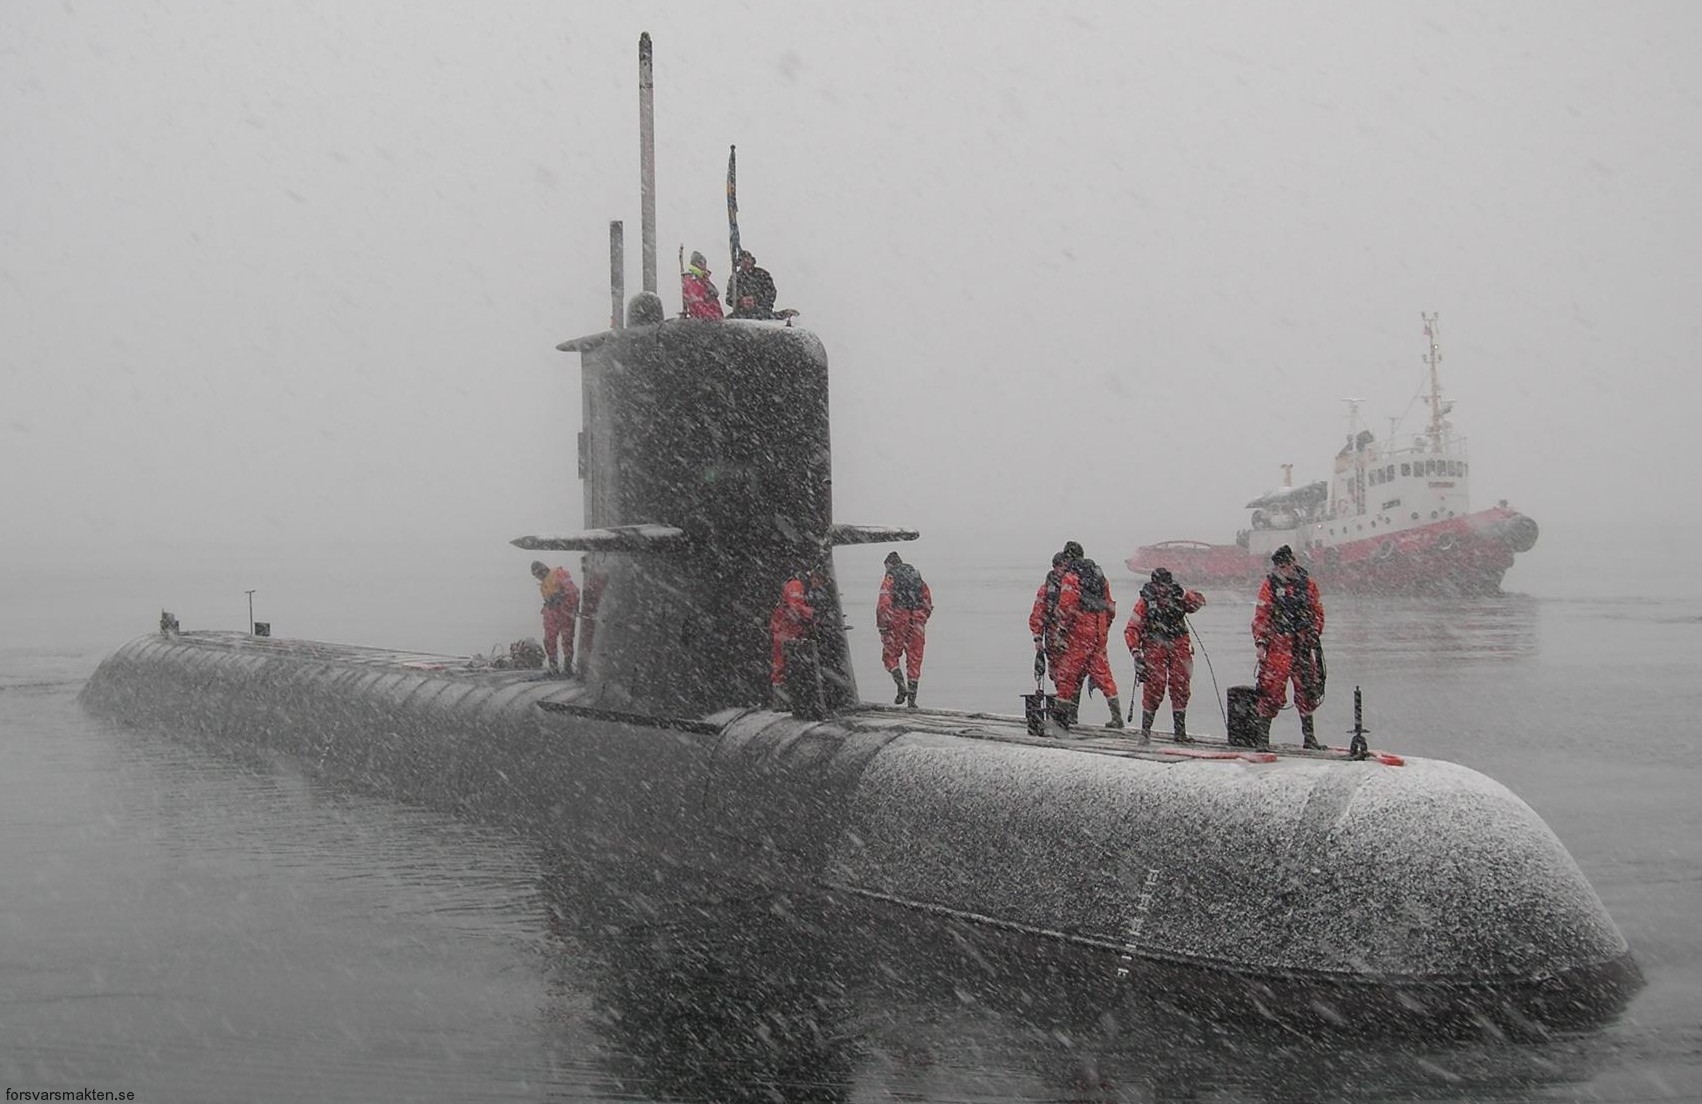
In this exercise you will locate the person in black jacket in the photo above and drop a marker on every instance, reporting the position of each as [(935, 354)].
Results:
[(753, 288)]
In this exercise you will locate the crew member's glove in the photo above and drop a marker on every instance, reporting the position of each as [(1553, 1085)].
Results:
[(1039, 643), (1140, 666)]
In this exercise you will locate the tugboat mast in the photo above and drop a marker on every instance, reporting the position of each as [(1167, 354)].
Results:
[(1433, 357)]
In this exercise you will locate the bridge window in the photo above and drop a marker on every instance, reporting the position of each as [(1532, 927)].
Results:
[(1406, 469), (1388, 473)]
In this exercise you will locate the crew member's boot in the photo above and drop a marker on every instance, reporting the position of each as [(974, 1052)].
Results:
[(898, 680), (1116, 705), (1064, 712), (1264, 732), (555, 668), (1307, 739), (1179, 724), (1146, 726), (782, 701), (910, 695)]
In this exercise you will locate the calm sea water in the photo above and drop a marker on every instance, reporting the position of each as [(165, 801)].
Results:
[(189, 926)]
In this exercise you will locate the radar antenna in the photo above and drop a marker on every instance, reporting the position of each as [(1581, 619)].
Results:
[(1352, 417)]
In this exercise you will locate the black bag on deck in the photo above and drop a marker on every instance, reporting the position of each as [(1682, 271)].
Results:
[(526, 655), (1243, 716)]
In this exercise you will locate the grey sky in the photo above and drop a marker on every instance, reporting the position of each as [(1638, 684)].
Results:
[(288, 276)]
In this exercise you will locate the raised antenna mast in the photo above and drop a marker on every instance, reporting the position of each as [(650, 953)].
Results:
[(647, 158)]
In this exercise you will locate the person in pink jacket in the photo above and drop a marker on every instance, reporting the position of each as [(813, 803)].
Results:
[(698, 291)]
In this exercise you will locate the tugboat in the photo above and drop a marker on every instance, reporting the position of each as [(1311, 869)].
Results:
[(1394, 518)]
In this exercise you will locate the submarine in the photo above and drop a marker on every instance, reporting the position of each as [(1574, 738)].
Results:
[(1275, 885)]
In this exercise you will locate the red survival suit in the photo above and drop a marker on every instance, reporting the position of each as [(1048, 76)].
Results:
[(901, 616), (1085, 610), (561, 610), (1043, 620), (792, 619), (1157, 634), (1287, 622)]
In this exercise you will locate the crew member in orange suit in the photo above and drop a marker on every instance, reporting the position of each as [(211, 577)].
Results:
[(1157, 636), (1086, 610), (1043, 620), (901, 616), (561, 610), (1288, 623), (793, 618)]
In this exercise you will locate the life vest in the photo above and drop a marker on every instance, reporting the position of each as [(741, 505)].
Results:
[(557, 588), (788, 616), (906, 586), (1291, 612), (1166, 619), (1092, 585)]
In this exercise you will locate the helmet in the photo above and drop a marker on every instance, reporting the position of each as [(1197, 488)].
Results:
[(539, 569), (1283, 555), (1072, 549), (1161, 575)]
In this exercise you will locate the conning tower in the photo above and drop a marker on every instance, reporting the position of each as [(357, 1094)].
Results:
[(708, 483)]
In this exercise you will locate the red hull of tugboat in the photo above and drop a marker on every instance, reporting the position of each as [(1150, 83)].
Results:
[(1462, 555)]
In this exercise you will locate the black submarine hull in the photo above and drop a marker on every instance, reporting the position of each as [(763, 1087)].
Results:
[(1353, 895)]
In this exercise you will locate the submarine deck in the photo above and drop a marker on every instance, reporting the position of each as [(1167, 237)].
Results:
[(962, 724)]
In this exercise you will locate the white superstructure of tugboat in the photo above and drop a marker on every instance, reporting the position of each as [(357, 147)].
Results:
[(1395, 516)]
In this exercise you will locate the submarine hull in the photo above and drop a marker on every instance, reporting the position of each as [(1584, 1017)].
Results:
[(1355, 895)]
